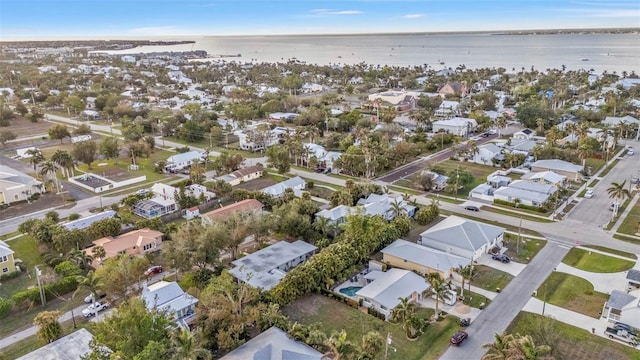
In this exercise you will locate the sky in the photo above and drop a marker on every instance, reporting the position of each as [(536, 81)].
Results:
[(85, 19)]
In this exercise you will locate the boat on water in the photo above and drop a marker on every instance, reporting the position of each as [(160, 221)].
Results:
[(584, 59)]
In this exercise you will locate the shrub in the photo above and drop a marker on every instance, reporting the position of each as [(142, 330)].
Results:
[(310, 184), (67, 268), (73, 216), (9, 276), (540, 209), (5, 306)]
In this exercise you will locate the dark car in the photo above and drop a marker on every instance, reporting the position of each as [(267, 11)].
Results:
[(153, 270), (472, 208), (625, 327), (501, 257), (458, 338)]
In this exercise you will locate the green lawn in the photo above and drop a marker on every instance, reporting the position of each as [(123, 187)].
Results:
[(628, 239), (596, 164), (526, 250), (631, 224), (572, 293), (634, 257), (9, 235), (569, 342), (606, 171), (336, 316), (596, 262), (476, 299), (146, 166), (488, 278), (479, 172)]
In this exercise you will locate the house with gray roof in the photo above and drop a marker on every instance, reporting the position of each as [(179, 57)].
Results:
[(384, 289), (277, 190), (421, 259), (86, 221), (546, 177), (633, 279), (386, 206), (520, 196), (623, 307), (486, 153), (457, 125), (462, 237), (570, 170), (170, 298), (17, 186), (274, 344), (74, 346), (179, 162), (266, 267), (338, 214)]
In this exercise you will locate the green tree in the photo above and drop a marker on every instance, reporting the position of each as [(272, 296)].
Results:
[(109, 148), (278, 157), (83, 129), (59, 132), (188, 346), (440, 288), (74, 104), (120, 272), (618, 192), (6, 136), (86, 152), (403, 311), (499, 348), (50, 329)]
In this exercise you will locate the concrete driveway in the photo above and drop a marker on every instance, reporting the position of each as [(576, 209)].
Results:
[(512, 268)]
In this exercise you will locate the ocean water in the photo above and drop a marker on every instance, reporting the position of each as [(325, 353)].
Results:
[(600, 52)]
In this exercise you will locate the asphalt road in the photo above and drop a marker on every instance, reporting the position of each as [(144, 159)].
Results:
[(496, 317), (596, 210)]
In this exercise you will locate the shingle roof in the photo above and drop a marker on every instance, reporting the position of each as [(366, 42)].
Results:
[(241, 206), (463, 233), (165, 295)]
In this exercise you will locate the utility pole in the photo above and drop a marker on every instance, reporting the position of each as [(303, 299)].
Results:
[(519, 235), (457, 178), (43, 298)]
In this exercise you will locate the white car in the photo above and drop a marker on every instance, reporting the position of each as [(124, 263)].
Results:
[(589, 193), (93, 309), (630, 152), (492, 132)]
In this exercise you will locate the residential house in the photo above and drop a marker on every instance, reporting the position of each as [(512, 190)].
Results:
[(399, 100), (328, 161), (524, 134), (183, 161), (462, 237), (524, 147), (565, 168), (486, 154), (85, 222), (134, 243), (525, 193), (439, 182), (241, 207), (168, 297), (259, 136), (447, 108), (613, 121), (336, 215), (191, 213), (266, 267), (498, 179), (457, 125), (7, 261), (282, 116), (164, 191), (199, 192), (17, 186), (421, 259), (384, 289), (482, 191), (633, 279), (547, 177), (274, 344), (623, 307), (74, 346), (386, 206), (154, 207), (277, 190), (242, 175), (454, 88)]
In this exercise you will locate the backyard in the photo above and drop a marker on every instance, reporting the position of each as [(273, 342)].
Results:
[(569, 342), (572, 293), (336, 316), (596, 262)]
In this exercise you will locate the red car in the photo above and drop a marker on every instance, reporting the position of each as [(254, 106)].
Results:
[(153, 270), (458, 338)]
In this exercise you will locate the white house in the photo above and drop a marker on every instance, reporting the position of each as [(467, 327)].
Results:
[(457, 125), (422, 259), (182, 161), (170, 298), (17, 186), (466, 238), (486, 153), (384, 289), (565, 168), (623, 307), (546, 177), (266, 267), (447, 108), (524, 134), (385, 206), (164, 191), (85, 222), (274, 344), (521, 195), (297, 184)]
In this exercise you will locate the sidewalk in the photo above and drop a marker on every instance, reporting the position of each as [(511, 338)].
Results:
[(602, 282)]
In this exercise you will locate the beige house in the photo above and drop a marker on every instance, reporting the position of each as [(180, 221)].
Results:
[(17, 186), (243, 175), (244, 206), (7, 263), (134, 243)]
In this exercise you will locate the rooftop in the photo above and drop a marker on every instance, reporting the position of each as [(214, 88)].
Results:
[(85, 222), (239, 207), (463, 233), (393, 284), (273, 344)]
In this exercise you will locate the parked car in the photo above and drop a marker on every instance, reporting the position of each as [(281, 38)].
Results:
[(153, 270), (89, 298), (142, 192), (492, 132), (501, 257), (630, 152), (612, 206), (93, 309), (472, 208), (458, 338), (625, 327), (589, 193)]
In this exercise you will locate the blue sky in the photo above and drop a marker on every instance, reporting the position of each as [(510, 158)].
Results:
[(144, 18)]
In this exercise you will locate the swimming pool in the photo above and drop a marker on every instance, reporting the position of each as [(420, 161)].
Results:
[(351, 290)]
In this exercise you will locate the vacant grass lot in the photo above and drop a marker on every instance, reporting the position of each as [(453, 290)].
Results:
[(146, 166), (336, 316), (525, 251), (631, 224), (596, 262), (569, 342), (572, 293), (489, 278)]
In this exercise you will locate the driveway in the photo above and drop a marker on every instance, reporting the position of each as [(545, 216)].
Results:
[(512, 268), (596, 210)]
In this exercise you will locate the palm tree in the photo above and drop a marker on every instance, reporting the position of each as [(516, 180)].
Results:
[(92, 283), (49, 168), (396, 208), (372, 344), (64, 160), (36, 157), (523, 347), (618, 193), (500, 124), (465, 272), (499, 348), (325, 226), (187, 346), (440, 288), (403, 310)]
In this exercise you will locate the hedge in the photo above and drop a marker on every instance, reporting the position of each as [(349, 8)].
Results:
[(5, 306), (539, 209), (52, 291)]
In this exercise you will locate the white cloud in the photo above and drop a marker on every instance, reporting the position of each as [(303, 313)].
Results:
[(413, 16), (327, 12)]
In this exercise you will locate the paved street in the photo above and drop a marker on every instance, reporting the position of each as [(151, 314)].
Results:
[(499, 314)]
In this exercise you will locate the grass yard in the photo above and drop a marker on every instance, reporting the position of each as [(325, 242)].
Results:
[(631, 256), (321, 192), (475, 300), (572, 293), (524, 252), (9, 235), (596, 262), (479, 172), (23, 127), (515, 212), (629, 239), (569, 342), (631, 224), (596, 164), (336, 316), (489, 278), (606, 171)]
